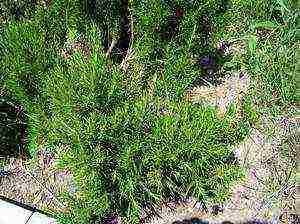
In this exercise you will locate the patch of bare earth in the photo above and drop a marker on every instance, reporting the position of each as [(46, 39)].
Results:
[(221, 96), (37, 183)]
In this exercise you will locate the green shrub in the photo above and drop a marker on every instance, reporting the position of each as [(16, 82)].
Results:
[(132, 139)]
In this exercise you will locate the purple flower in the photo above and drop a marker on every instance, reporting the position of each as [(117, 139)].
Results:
[(207, 61), (111, 219)]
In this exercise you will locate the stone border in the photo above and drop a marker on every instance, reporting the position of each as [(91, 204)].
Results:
[(12, 213)]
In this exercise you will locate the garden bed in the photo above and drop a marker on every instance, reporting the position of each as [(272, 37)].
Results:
[(119, 107)]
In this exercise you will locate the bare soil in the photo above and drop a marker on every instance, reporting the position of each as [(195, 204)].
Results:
[(37, 183)]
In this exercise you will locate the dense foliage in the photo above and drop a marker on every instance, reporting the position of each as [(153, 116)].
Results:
[(132, 138)]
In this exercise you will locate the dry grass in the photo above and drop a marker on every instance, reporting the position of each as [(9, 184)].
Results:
[(76, 46), (222, 96), (37, 184)]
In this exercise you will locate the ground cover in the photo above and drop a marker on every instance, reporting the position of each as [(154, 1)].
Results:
[(105, 85)]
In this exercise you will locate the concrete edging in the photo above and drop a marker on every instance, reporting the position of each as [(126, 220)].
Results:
[(10, 213)]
